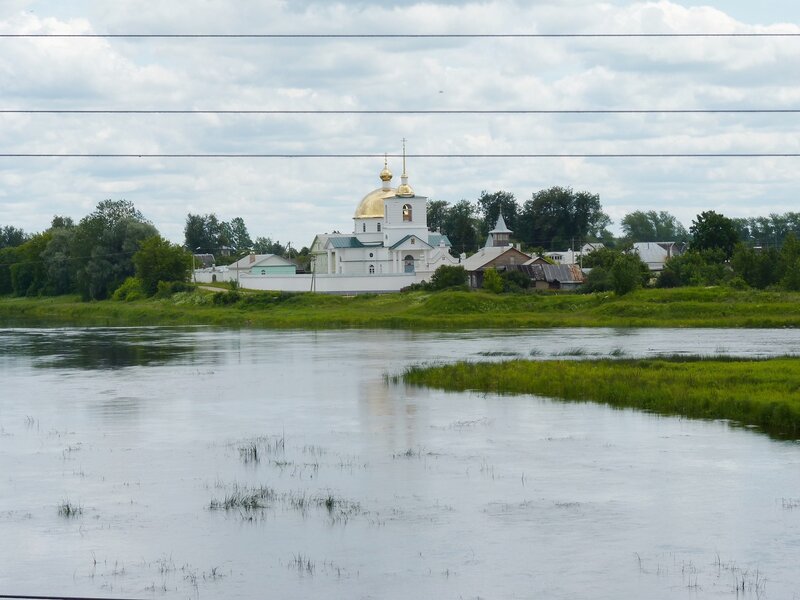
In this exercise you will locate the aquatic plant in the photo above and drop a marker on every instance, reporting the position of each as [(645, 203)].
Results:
[(764, 393)]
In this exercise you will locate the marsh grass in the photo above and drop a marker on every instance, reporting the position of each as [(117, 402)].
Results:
[(758, 392), (682, 307), (69, 509), (249, 500)]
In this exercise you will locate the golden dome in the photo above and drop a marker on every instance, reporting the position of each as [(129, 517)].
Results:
[(405, 191), (386, 174), (371, 205)]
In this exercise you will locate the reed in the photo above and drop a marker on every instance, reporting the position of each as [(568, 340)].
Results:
[(762, 393)]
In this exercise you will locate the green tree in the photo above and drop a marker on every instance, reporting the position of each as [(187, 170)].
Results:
[(159, 260), (492, 282), (28, 274), (558, 218), (11, 236), (103, 247), (491, 206), (626, 274), (448, 276), (239, 236), (695, 268), (652, 226), (461, 227), (713, 231), (437, 214), (203, 234)]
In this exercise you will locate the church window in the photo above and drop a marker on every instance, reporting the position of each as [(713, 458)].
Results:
[(263, 271), (379, 227), (364, 227), (413, 240), (371, 255), (407, 212), (408, 265), (372, 269)]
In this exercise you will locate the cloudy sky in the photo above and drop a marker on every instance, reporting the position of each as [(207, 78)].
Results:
[(293, 199)]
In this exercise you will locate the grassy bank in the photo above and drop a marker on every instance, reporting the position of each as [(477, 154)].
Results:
[(686, 307), (765, 393)]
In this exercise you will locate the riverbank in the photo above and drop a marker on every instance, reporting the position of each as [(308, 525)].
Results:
[(762, 393), (683, 307)]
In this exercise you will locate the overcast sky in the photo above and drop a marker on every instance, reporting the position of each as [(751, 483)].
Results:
[(293, 199)]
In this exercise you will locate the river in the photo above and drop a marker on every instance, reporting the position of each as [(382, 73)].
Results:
[(369, 489)]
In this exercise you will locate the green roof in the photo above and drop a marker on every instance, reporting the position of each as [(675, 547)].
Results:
[(345, 242)]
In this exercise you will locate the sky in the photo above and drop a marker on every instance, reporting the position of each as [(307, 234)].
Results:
[(291, 200)]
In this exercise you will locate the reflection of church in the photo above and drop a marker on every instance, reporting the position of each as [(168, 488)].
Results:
[(390, 236)]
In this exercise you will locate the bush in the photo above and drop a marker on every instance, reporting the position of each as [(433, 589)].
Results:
[(447, 276), (130, 290), (492, 282), (165, 289), (626, 274), (227, 298), (515, 281)]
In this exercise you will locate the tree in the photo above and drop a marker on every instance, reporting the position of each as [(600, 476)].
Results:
[(264, 245), (461, 227), (11, 236), (239, 236), (558, 218), (492, 282), (491, 206), (713, 231), (652, 226), (448, 276), (103, 247), (159, 260), (626, 274), (437, 214), (203, 233)]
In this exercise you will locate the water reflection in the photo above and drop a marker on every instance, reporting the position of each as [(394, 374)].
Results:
[(92, 349)]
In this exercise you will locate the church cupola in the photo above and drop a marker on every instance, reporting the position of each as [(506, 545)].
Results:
[(386, 175), (404, 190), (499, 236)]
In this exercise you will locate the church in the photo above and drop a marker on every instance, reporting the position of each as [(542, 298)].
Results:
[(389, 249), (390, 236)]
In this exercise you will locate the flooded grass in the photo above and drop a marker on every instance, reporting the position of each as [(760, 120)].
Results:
[(763, 393), (69, 509)]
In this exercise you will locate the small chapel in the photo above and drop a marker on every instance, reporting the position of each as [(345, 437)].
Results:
[(390, 236)]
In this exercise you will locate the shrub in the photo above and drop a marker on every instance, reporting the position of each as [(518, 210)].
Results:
[(492, 282), (448, 276), (130, 290), (227, 298)]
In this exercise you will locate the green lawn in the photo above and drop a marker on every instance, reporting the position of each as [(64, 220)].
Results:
[(687, 307), (765, 393)]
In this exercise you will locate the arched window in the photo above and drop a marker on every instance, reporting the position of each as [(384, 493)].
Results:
[(379, 227), (372, 269), (408, 264), (407, 212), (364, 227)]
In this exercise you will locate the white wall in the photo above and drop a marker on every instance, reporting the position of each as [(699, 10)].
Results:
[(331, 284)]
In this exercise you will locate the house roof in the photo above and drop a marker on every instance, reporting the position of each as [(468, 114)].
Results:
[(257, 260), (551, 273), (656, 252), (405, 239), (435, 238), (345, 242), (486, 255)]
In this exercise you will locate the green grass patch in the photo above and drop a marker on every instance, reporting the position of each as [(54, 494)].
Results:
[(685, 307), (762, 393)]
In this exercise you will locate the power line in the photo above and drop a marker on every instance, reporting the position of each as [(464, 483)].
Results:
[(523, 111), (400, 35), (382, 155)]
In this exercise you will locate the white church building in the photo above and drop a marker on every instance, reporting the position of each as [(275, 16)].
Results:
[(390, 248), (390, 236)]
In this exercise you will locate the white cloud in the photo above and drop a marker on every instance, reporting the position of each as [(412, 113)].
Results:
[(294, 199)]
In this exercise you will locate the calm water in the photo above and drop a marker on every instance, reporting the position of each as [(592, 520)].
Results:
[(429, 494)]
